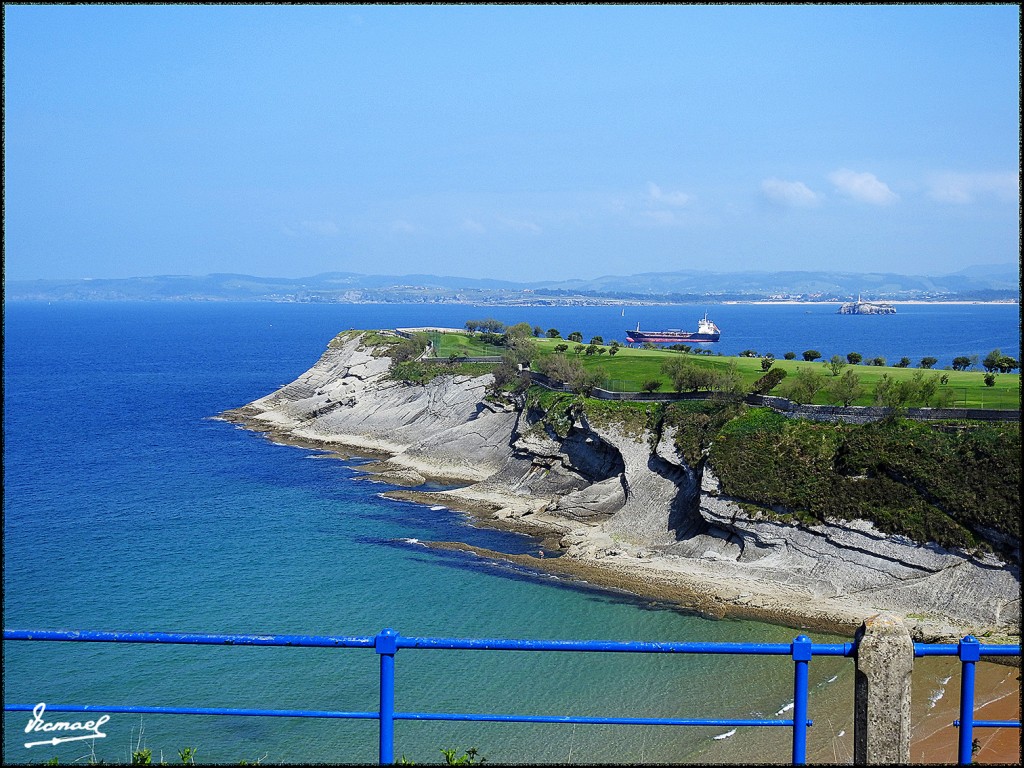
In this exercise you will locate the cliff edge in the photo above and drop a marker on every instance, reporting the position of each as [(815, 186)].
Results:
[(626, 507)]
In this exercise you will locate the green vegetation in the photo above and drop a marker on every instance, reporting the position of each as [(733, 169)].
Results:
[(895, 473), (626, 369)]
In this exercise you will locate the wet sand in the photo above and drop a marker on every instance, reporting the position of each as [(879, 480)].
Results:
[(934, 739)]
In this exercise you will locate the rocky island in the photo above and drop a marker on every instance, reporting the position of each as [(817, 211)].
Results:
[(633, 504)]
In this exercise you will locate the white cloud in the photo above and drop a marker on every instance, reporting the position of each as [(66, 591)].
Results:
[(658, 195), (789, 193), (472, 225), (965, 188), (865, 187)]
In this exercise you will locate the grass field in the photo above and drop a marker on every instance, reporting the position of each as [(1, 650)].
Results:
[(629, 368)]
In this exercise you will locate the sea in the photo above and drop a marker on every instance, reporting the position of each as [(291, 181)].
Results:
[(127, 506)]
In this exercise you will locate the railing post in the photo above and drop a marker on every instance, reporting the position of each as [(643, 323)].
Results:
[(969, 653), (881, 704), (386, 645), (801, 657)]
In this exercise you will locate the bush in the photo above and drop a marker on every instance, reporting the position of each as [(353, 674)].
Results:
[(769, 381)]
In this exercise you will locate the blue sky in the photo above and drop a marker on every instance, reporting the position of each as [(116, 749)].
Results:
[(518, 142)]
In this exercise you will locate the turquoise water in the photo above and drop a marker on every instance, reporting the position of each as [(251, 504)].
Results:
[(126, 507)]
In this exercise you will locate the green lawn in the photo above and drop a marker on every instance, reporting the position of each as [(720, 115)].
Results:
[(629, 368)]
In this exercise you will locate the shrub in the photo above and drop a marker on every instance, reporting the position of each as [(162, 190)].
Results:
[(769, 381)]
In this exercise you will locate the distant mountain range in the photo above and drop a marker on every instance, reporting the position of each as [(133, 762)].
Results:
[(988, 283)]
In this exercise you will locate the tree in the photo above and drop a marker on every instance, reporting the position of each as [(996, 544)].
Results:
[(613, 348), (591, 349), (928, 362), (766, 383), (650, 385), (854, 358), (685, 375), (961, 363), (803, 386), (766, 363), (561, 347), (597, 340), (517, 332), (903, 363), (880, 361), (991, 361), (537, 330), (728, 382), (790, 355), (578, 348), (553, 333), (836, 365), (810, 355), (886, 392), (990, 379), (1006, 364), (576, 336), (846, 389), (748, 353)]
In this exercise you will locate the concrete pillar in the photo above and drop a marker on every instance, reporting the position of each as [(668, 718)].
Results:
[(881, 707)]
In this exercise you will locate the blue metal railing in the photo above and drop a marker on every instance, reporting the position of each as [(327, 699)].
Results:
[(969, 651), (388, 642)]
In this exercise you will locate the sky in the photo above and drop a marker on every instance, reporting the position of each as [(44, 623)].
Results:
[(529, 142)]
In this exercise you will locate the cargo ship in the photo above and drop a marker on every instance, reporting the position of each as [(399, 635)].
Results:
[(706, 331)]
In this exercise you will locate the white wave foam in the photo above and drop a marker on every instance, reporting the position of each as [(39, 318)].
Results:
[(934, 698), (437, 508), (785, 708), (725, 735)]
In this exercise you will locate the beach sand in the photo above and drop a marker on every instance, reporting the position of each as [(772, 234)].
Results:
[(997, 697)]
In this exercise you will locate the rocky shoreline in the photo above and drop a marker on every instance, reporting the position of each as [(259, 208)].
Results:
[(623, 511)]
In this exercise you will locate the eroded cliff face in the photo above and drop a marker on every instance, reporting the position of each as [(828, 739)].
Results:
[(624, 499)]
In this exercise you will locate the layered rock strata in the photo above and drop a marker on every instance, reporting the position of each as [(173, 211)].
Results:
[(626, 509)]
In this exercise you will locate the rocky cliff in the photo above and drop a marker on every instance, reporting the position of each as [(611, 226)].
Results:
[(626, 508)]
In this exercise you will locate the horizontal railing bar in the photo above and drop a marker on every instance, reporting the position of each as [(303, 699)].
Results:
[(233, 711), (428, 643), (586, 720), (289, 641), (992, 723), (951, 649), (442, 643)]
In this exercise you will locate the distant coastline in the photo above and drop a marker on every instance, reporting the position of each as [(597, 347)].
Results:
[(680, 287)]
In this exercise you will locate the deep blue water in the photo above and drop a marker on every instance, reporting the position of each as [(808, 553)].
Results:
[(126, 507)]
